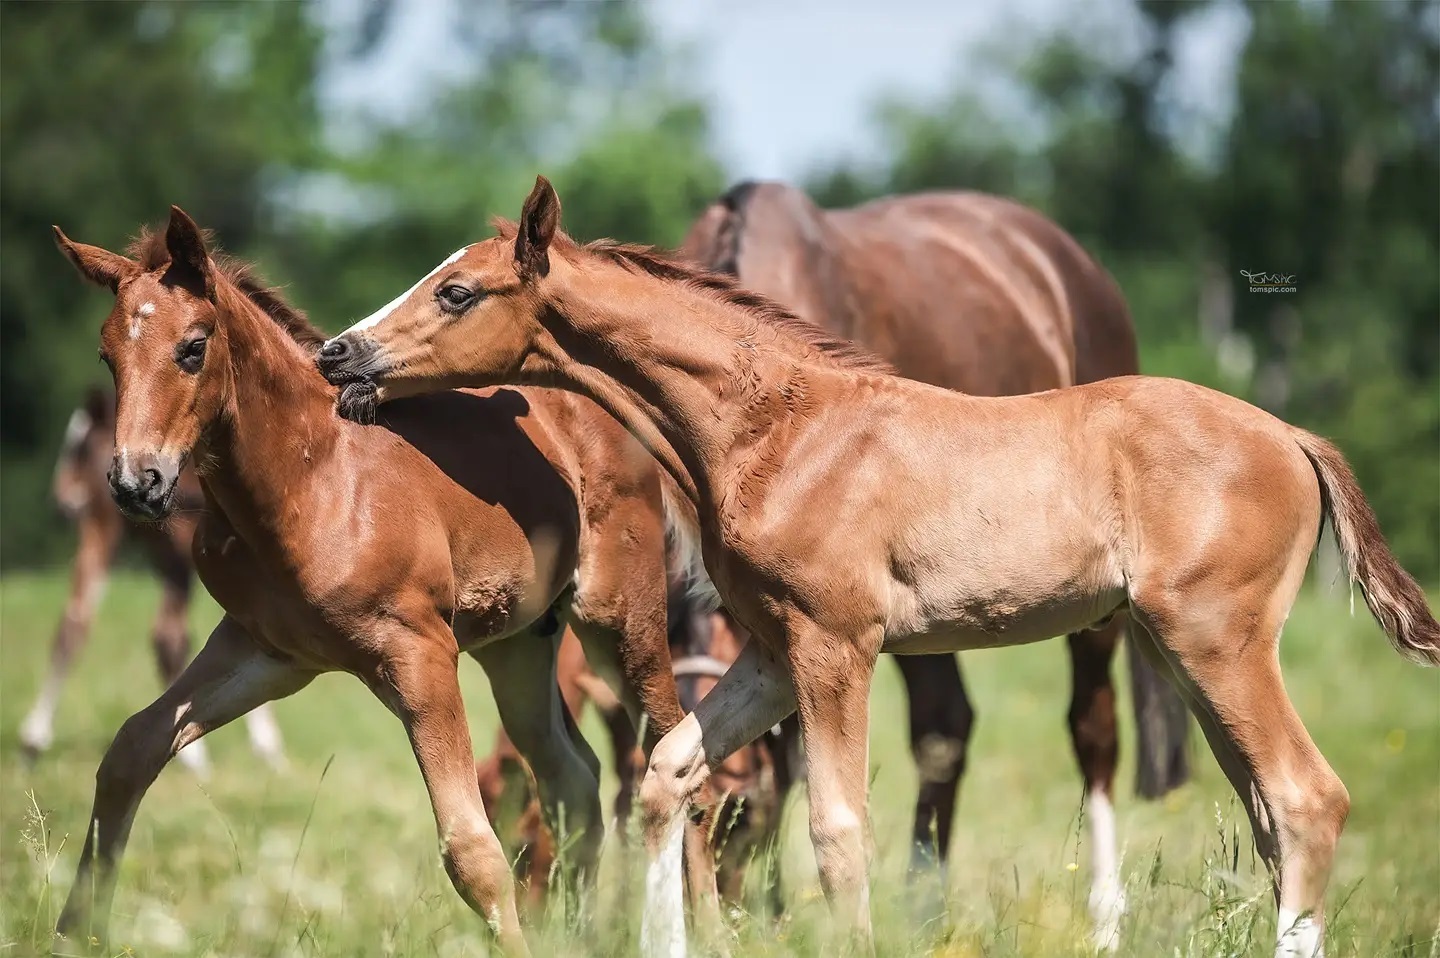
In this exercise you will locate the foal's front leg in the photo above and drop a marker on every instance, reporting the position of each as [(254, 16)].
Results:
[(229, 677)]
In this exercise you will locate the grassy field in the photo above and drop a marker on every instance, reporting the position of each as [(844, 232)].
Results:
[(338, 857)]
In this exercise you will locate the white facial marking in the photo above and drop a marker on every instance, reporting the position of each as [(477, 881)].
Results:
[(1107, 892), (143, 311), (390, 307), (662, 927)]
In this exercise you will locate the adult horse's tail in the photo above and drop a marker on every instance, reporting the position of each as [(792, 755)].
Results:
[(1394, 597)]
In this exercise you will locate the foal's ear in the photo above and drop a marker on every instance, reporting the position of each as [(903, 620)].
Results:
[(539, 219), (98, 405), (99, 266), (190, 264)]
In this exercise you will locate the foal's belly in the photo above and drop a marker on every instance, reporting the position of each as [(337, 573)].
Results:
[(1003, 626)]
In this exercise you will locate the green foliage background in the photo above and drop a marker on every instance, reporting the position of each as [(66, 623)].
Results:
[(1327, 169)]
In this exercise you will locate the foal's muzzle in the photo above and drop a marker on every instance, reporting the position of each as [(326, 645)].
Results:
[(143, 485), (351, 357)]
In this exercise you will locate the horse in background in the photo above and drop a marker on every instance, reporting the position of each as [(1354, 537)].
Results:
[(80, 492), (984, 296)]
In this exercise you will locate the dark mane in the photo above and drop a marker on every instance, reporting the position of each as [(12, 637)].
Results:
[(654, 262), (148, 248)]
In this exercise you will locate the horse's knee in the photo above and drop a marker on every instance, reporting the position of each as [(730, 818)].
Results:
[(477, 868), (838, 834), (1312, 823), (669, 782), (941, 745)]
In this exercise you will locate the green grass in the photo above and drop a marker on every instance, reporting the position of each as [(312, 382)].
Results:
[(230, 868)]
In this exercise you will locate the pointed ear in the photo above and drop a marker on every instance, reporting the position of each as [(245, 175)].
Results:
[(539, 219), (190, 264), (99, 266)]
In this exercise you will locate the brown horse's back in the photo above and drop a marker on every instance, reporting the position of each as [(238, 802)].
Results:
[(962, 290)]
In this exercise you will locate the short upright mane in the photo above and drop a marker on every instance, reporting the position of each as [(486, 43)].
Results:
[(148, 248), (654, 262)]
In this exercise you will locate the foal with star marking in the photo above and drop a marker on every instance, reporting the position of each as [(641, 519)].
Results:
[(949, 522), (459, 523)]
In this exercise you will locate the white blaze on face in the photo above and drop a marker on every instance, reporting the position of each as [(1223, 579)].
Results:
[(143, 311), (390, 307)]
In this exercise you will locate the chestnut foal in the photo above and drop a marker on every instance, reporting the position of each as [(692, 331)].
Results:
[(80, 492), (461, 523), (844, 512)]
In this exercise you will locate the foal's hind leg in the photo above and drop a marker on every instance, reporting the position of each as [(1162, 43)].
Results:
[(1097, 749), (87, 583), (229, 677), (1297, 805), (522, 676)]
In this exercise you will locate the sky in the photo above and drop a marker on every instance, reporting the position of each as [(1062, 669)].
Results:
[(793, 83)]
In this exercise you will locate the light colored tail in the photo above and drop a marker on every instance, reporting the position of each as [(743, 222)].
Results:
[(1394, 597)]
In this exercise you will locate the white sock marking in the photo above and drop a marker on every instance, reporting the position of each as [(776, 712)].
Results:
[(265, 737), (1107, 892), (1298, 937), (662, 927), (390, 307)]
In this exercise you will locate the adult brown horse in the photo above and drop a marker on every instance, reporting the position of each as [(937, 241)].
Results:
[(460, 524), (79, 490), (949, 522), (987, 297)]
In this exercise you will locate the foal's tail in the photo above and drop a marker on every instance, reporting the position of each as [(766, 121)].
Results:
[(1394, 597)]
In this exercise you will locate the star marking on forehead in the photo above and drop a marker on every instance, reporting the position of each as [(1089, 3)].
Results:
[(141, 312)]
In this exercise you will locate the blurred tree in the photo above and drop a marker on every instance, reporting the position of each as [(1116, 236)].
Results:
[(108, 113), (215, 107)]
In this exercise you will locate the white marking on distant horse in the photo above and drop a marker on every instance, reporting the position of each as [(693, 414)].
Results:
[(1107, 892), (265, 737), (143, 311), (390, 307)]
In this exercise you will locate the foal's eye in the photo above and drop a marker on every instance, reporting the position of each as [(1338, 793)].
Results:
[(190, 353), (454, 298)]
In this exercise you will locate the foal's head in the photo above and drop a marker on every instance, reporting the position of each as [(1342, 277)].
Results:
[(478, 311), (167, 352)]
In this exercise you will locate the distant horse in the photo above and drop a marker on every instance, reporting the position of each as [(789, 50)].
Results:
[(981, 295), (844, 512), (475, 522), (80, 491)]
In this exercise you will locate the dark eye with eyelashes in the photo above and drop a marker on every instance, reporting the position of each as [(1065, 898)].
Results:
[(190, 353), (454, 299)]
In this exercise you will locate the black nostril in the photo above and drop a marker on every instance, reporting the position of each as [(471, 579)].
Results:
[(334, 349), (149, 480)]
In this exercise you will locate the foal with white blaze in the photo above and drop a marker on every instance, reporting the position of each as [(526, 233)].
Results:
[(950, 522)]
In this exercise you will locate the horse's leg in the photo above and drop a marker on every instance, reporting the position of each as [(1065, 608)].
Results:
[(418, 681), (832, 692), (87, 584), (1097, 749), (522, 676), (941, 719), (750, 698), (1228, 668), (229, 677)]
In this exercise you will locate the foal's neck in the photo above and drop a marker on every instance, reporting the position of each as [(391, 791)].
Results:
[(279, 425), (704, 383)]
